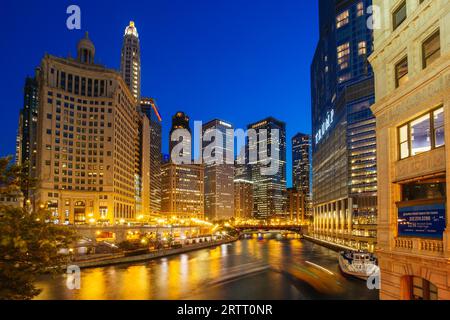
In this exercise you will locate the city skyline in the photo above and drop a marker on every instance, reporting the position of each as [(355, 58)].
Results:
[(255, 97), (190, 171)]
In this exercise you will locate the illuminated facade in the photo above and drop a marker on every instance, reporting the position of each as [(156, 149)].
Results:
[(142, 174), (412, 67), (344, 144), (86, 141), (219, 177), (130, 65), (296, 204), (243, 199), (269, 191), (148, 107), (301, 167), (183, 190)]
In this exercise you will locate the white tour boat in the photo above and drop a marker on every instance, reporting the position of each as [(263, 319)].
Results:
[(358, 264)]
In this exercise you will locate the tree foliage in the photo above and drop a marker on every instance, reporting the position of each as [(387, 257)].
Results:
[(29, 241)]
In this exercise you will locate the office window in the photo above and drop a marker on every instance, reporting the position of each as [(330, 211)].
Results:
[(399, 15), (401, 72), (360, 9), (343, 54), (404, 142), (422, 134), (431, 49), (362, 48), (342, 19)]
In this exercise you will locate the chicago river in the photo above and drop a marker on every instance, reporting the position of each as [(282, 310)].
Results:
[(255, 268)]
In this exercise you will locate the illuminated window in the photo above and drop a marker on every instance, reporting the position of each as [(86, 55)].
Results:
[(362, 48), (342, 19), (422, 134), (343, 55), (360, 9)]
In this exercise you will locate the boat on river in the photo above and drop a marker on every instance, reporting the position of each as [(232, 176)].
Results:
[(359, 264)]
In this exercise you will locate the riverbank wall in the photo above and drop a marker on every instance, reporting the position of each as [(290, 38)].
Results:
[(121, 259), (329, 245)]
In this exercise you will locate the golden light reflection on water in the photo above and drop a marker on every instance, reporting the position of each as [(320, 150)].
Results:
[(93, 285), (196, 273), (136, 283)]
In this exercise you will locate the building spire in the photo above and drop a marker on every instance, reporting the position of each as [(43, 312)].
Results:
[(130, 65)]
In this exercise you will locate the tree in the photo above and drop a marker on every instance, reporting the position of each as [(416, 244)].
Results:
[(29, 241)]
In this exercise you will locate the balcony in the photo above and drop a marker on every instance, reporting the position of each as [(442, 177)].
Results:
[(420, 246)]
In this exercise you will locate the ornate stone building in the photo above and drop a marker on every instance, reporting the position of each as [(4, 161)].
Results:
[(411, 60), (87, 140)]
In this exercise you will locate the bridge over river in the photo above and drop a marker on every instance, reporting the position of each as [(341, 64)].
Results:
[(120, 233)]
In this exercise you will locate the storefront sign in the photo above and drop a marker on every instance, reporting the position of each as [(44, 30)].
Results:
[(422, 221)]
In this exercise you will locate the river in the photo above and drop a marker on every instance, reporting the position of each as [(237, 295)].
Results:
[(247, 269)]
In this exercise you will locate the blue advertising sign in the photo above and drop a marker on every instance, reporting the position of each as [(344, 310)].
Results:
[(422, 221)]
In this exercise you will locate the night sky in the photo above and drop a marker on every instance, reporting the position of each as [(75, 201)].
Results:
[(236, 60)]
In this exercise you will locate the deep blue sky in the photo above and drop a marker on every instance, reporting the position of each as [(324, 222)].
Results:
[(238, 60)]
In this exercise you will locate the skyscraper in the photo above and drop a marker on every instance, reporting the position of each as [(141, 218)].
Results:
[(149, 108), (130, 64), (142, 166), (27, 131), (86, 141), (219, 177), (182, 190), (180, 121), (344, 144), (243, 199), (269, 188), (301, 168), (301, 144)]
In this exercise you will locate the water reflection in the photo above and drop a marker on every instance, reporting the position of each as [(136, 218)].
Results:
[(247, 269)]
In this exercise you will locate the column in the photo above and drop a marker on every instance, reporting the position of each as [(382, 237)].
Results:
[(350, 215), (336, 218), (291, 205), (332, 218)]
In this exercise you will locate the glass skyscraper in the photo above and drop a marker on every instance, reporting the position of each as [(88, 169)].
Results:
[(219, 177), (269, 190), (343, 143)]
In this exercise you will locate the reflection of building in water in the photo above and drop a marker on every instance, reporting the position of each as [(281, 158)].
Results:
[(411, 63)]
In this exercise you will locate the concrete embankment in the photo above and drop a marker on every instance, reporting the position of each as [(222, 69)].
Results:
[(332, 246), (121, 259)]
